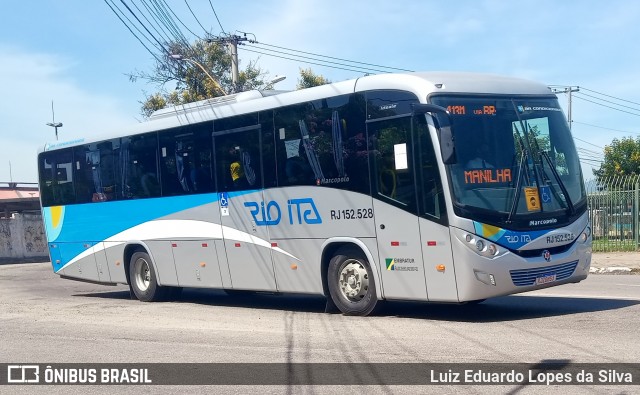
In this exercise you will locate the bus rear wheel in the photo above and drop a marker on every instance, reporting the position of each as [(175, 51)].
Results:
[(351, 284), (143, 279)]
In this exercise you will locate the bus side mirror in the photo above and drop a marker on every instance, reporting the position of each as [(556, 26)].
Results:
[(447, 145)]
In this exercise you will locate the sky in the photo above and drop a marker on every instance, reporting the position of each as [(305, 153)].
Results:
[(78, 54)]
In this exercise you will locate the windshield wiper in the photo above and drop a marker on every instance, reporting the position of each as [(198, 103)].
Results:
[(516, 198), (554, 172), (521, 171), (538, 177), (563, 188)]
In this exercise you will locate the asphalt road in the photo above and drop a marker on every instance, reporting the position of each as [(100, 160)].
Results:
[(45, 319)]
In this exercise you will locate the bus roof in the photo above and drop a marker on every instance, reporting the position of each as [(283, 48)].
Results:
[(422, 84)]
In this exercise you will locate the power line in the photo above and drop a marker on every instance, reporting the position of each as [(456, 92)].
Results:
[(298, 60), (153, 11), (168, 20), (331, 57), (587, 155), (163, 20), (603, 105), (214, 13), (196, 18), (590, 161), (163, 34), (605, 128), (590, 164), (160, 15), (612, 97), (590, 152), (182, 23), (129, 28), (145, 28), (321, 60), (591, 157), (609, 101), (586, 142)]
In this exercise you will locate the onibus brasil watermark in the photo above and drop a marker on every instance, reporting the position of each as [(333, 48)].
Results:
[(541, 373)]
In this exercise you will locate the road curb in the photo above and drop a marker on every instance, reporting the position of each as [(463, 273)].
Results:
[(616, 270)]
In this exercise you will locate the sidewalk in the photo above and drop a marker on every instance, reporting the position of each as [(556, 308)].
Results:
[(615, 263)]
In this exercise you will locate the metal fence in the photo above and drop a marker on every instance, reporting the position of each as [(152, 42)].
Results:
[(614, 213)]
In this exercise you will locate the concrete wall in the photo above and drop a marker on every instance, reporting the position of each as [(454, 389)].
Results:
[(22, 238)]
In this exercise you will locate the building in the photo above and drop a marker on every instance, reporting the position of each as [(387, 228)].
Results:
[(21, 231)]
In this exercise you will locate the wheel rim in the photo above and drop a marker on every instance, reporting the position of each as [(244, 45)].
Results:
[(354, 280), (143, 274)]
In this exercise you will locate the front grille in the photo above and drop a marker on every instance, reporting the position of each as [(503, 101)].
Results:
[(525, 277), (538, 252)]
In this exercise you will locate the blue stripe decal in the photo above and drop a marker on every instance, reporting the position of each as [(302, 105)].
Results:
[(95, 222), (508, 238), (82, 226)]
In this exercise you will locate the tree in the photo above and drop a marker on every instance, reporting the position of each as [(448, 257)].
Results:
[(309, 79), (193, 84), (621, 158)]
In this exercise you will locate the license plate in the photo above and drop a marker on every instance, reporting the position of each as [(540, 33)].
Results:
[(549, 278)]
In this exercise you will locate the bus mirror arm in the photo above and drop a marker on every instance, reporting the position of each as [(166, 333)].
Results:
[(447, 145)]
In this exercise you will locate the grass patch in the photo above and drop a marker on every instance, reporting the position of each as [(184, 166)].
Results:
[(613, 245)]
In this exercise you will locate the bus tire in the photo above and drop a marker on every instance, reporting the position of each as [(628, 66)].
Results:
[(350, 281), (144, 280)]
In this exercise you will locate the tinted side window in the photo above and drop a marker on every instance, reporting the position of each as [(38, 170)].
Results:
[(238, 154), (56, 178), (269, 157), (185, 158), (393, 169), (96, 169), (323, 143), (431, 193), (296, 158), (139, 161)]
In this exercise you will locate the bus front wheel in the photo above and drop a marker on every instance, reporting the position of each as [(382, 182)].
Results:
[(351, 284), (143, 279)]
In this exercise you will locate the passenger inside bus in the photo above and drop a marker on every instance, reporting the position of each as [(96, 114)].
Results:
[(235, 168)]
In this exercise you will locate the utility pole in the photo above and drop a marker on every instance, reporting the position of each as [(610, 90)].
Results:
[(568, 90), (232, 42)]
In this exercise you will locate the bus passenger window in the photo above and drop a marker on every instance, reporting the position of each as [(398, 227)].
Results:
[(238, 160), (56, 178), (139, 161), (297, 167)]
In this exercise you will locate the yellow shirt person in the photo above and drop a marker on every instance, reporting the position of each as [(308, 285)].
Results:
[(236, 172)]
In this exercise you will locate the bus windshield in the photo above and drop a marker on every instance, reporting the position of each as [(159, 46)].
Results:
[(516, 160)]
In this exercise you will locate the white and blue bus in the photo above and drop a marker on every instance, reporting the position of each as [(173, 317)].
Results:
[(435, 187)]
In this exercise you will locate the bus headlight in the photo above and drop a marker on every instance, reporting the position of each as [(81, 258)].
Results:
[(481, 246)]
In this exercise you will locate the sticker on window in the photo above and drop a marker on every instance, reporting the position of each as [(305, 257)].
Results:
[(400, 156), (532, 197)]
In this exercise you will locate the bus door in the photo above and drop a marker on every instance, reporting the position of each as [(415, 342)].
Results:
[(434, 231), (242, 208), (395, 208)]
